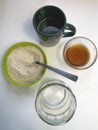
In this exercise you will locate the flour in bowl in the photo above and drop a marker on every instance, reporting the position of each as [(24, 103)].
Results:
[(21, 64)]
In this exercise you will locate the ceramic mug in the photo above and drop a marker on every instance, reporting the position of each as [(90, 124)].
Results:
[(50, 24)]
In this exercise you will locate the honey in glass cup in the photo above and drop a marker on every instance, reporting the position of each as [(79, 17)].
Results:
[(80, 53), (77, 55)]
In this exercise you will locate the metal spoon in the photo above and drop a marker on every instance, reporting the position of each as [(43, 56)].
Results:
[(61, 72)]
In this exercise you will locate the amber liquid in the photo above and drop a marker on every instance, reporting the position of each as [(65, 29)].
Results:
[(77, 55)]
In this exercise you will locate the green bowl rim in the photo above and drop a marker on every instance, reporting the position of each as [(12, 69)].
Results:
[(4, 65)]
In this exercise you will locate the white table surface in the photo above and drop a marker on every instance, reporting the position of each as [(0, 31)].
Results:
[(17, 111)]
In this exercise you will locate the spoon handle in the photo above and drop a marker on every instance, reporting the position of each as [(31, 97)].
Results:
[(61, 72)]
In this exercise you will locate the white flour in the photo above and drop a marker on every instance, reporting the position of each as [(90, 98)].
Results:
[(21, 64)]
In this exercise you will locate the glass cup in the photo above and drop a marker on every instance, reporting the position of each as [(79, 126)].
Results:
[(80, 53), (55, 103)]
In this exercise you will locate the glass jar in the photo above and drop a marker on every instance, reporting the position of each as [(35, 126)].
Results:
[(55, 102)]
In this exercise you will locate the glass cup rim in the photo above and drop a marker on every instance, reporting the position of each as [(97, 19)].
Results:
[(84, 66)]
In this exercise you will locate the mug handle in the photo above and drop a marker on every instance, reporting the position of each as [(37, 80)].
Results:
[(71, 30)]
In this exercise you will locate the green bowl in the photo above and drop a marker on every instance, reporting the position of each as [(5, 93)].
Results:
[(4, 63)]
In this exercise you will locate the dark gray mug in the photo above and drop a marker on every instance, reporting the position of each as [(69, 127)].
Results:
[(50, 24)]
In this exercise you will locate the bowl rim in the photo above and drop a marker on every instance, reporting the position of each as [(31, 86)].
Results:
[(4, 60)]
